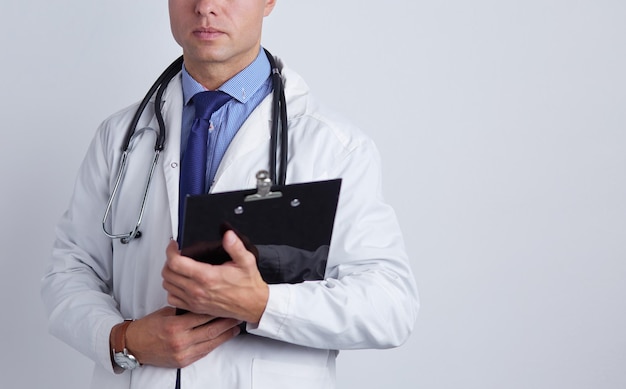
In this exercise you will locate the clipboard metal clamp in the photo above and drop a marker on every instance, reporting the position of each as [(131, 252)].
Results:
[(263, 187)]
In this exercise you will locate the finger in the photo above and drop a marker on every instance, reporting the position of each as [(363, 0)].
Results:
[(177, 270), (192, 321), (215, 329), (171, 252), (165, 311), (180, 298), (177, 302), (235, 248), (206, 345), (175, 263), (187, 321), (178, 267), (175, 291), (172, 248)]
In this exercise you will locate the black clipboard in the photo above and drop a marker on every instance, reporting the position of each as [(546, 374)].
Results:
[(288, 228)]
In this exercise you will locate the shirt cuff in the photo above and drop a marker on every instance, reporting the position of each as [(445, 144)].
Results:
[(276, 312), (102, 343)]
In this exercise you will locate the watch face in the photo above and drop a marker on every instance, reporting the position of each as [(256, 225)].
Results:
[(125, 360)]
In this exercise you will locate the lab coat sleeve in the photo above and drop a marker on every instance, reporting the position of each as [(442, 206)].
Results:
[(368, 298), (77, 287)]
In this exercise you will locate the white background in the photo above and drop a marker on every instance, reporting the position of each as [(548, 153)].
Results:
[(502, 130)]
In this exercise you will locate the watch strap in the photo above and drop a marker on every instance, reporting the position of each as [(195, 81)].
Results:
[(119, 341)]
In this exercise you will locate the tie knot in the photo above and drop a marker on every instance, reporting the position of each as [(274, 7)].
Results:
[(208, 102)]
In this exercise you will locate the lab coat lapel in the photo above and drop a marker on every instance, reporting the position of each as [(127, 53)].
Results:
[(170, 156), (253, 134)]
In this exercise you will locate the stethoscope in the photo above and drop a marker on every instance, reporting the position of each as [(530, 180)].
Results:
[(279, 118)]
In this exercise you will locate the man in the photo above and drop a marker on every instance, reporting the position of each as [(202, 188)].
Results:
[(109, 299)]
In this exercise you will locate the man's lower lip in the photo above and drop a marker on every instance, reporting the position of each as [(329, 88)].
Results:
[(207, 35)]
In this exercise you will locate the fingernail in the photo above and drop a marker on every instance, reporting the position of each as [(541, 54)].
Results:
[(229, 237)]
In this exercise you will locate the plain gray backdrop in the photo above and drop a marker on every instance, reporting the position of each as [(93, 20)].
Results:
[(502, 130)]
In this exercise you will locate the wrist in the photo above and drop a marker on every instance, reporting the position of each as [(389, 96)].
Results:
[(121, 358), (260, 304)]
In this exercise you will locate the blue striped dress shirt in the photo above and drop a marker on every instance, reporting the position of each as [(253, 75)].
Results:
[(248, 88)]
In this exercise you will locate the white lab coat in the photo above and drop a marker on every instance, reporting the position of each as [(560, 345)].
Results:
[(367, 300)]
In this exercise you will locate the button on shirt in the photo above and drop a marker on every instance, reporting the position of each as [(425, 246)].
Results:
[(248, 88)]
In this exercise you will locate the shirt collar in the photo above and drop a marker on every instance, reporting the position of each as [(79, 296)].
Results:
[(243, 85)]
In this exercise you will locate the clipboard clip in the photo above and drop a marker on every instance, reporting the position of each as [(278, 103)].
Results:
[(263, 187)]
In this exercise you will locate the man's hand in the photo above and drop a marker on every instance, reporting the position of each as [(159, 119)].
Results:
[(234, 289), (166, 340)]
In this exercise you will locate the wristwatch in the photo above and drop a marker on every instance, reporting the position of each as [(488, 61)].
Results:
[(121, 356)]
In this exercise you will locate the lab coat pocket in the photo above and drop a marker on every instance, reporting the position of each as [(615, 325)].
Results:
[(279, 375)]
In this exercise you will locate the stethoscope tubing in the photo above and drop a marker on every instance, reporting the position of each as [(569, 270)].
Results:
[(158, 87), (279, 120)]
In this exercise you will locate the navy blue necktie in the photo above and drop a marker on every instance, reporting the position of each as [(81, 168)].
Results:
[(193, 165)]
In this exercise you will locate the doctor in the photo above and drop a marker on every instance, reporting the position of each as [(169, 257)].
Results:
[(113, 301)]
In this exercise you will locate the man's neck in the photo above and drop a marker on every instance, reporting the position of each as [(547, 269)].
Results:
[(213, 74)]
